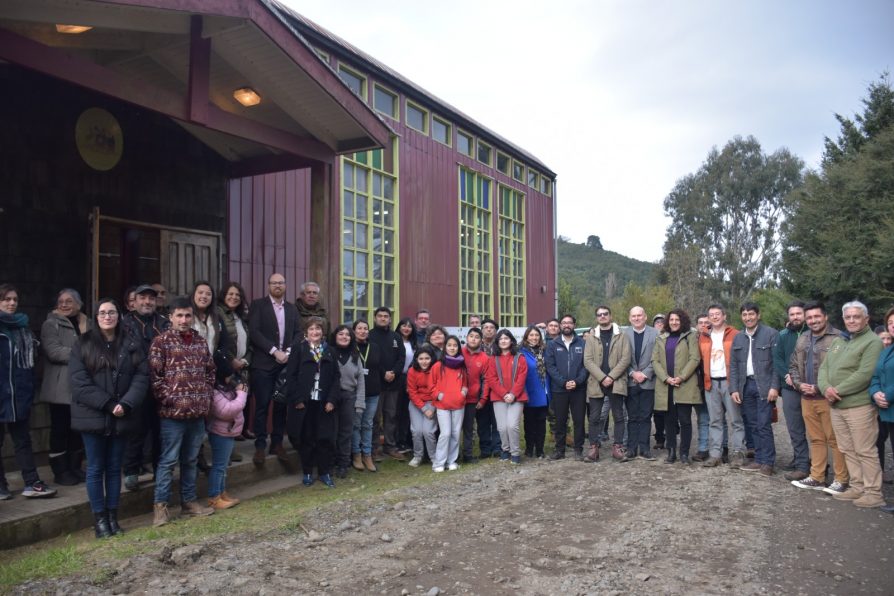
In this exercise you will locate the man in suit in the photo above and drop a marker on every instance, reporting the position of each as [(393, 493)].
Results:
[(640, 384), (272, 325)]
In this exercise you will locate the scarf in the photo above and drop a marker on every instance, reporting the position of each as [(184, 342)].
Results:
[(453, 361), (537, 352), (344, 354), (23, 343)]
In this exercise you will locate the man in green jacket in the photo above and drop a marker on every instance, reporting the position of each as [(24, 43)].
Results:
[(844, 378)]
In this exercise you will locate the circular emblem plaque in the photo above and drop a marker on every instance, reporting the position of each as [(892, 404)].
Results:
[(99, 139)]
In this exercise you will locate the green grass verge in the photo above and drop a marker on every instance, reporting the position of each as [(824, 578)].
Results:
[(82, 554)]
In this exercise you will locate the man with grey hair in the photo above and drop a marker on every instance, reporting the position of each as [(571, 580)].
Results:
[(640, 384), (309, 305), (843, 379)]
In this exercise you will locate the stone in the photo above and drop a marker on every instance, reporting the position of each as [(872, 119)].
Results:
[(386, 538), (434, 591)]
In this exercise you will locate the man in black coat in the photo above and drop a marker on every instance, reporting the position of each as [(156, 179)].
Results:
[(272, 327), (392, 354)]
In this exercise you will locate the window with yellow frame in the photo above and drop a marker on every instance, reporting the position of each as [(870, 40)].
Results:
[(369, 201), (511, 257), (475, 239)]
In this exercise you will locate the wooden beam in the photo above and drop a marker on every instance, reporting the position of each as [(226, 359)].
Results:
[(84, 73), (199, 72), (256, 166)]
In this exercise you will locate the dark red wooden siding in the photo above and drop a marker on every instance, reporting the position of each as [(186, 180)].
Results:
[(268, 219)]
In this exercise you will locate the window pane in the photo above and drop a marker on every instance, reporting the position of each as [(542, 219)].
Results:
[(388, 215), (389, 294), (377, 238), (360, 265), (352, 80), (518, 171), (385, 102), (348, 175), (348, 206), (503, 163), (440, 131), (361, 296), (463, 144), (347, 263), (377, 184), (388, 188), (389, 269), (484, 152), (360, 180), (347, 293), (389, 241), (377, 211), (361, 207), (348, 233), (416, 118), (377, 266), (360, 235)]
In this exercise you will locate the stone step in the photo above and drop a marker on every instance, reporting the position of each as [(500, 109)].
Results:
[(26, 521)]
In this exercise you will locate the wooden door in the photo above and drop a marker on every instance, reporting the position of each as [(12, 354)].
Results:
[(188, 257)]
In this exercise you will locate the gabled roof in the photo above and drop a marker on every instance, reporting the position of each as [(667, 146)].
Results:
[(184, 59), (331, 41)]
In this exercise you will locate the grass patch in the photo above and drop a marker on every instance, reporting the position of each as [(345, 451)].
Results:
[(283, 510)]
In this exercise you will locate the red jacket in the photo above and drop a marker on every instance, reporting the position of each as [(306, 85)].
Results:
[(419, 386), (477, 365), (704, 346), (182, 373), (515, 386), (448, 385)]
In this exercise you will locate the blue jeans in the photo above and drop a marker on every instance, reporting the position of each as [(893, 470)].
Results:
[(361, 439), (221, 449), (104, 457), (758, 414), (180, 441)]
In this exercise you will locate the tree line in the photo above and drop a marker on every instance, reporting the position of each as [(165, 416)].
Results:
[(748, 225)]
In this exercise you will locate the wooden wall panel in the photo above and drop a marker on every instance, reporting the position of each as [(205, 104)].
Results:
[(269, 218)]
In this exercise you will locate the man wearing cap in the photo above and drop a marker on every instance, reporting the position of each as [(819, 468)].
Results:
[(144, 324)]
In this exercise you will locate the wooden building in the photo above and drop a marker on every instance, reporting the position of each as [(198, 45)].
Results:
[(128, 156)]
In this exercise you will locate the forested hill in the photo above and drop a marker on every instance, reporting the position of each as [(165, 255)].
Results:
[(586, 269)]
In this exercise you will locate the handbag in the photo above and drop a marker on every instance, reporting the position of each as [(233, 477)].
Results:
[(280, 393)]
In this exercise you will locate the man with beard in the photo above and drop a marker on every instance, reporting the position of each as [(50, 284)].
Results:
[(791, 399), (391, 355), (144, 324), (564, 361)]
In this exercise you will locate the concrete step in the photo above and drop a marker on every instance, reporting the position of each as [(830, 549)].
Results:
[(26, 521)]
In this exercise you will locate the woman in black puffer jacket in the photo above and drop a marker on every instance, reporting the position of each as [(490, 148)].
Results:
[(109, 380)]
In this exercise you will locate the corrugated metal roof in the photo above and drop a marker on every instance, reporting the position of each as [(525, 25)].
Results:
[(292, 18)]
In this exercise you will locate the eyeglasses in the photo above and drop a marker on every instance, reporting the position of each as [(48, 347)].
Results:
[(107, 313), (602, 314)]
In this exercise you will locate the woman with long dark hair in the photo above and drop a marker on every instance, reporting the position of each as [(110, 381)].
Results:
[(371, 361), (406, 330), (109, 380), (232, 309), (675, 359), (18, 349), (351, 403), (506, 378), (537, 390)]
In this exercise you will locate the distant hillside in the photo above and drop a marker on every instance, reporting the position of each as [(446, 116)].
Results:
[(586, 269)]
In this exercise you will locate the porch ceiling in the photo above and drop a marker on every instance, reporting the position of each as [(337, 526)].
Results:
[(185, 58)]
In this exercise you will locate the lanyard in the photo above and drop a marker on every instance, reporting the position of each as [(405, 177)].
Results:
[(363, 355)]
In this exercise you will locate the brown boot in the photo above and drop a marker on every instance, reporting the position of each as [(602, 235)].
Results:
[(161, 515), (593, 453), (369, 464), (218, 502), (233, 500), (259, 457), (618, 452), (195, 509), (378, 455), (393, 453), (357, 462), (280, 452)]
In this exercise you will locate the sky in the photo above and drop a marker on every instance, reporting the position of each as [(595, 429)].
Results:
[(623, 98)]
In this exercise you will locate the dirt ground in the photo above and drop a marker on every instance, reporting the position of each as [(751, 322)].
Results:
[(545, 528)]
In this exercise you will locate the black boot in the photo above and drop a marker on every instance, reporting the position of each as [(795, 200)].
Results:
[(114, 528), (671, 455), (61, 472), (101, 524), (75, 461), (684, 457)]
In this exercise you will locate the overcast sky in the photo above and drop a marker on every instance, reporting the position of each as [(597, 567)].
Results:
[(622, 99)]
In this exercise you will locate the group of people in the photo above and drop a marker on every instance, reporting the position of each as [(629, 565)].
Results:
[(133, 386)]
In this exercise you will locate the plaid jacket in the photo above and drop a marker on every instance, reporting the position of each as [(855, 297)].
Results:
[(182, 375)]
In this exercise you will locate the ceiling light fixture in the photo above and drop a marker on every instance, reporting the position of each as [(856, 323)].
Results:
[(247, 96), (72, 29)]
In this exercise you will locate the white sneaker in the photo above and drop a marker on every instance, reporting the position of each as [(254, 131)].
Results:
[(453, 467), (438, 469), (415, 462)]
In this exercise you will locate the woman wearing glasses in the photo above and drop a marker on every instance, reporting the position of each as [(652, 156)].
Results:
[(109, 380)]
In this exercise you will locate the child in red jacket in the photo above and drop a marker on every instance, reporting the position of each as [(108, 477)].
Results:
[(506, 379), (450, 383), (423, 423), (478, 397)]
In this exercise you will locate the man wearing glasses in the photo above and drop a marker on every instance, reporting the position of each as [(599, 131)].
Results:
[(606, 358), (272, 325)]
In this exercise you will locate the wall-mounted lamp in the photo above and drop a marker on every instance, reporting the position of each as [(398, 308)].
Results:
[(72, 29), (247, 96)]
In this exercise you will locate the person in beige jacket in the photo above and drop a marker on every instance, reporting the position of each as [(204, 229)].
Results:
[(606, 357)]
